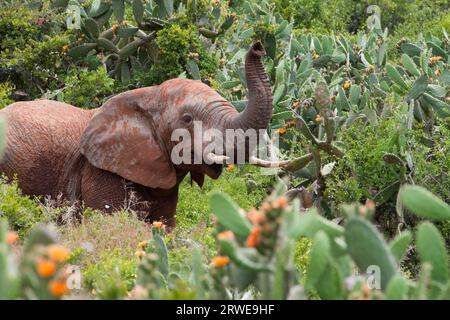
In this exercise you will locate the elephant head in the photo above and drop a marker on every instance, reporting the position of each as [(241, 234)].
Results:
[(130, 135)]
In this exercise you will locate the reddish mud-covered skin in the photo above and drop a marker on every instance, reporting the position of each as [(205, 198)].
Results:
[(99, 156)]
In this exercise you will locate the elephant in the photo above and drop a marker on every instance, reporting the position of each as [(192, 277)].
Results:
[(99, 156)]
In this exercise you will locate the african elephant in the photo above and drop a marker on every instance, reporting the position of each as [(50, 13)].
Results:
[(98, 156)]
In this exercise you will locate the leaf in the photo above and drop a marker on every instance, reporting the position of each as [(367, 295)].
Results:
[(310, 223), (230, 84), (226, 24), (98, 8), (342, 100), (128, 50), (395, 76), (81, 50), (409, 64), (431, 248), (271, 45), (107, 44), (355, 94), (397, 289), (436, 91), (193, 68), (318, 259), (418, 88), (371, 115), (411, 49), (92, 27), (138, 10), (119, 9), (423, 203), (330, 285), (127, 32), (441, 108), (227, 211), (125, 75), (161, 251), (367, 248), (399, 246)]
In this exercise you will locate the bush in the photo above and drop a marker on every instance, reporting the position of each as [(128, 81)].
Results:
[(6, 90), (87, 89), (38, 66), (177, 44), (22, 212)]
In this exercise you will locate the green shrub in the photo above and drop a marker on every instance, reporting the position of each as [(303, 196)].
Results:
[(177, 44), (21, 212), (87, 89), (112, 269), (18, 25), (6, 89), (39, 66)]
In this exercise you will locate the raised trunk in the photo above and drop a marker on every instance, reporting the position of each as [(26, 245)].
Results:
[(258, 112)]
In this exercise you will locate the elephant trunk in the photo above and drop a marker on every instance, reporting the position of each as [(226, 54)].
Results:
[(258, 112)]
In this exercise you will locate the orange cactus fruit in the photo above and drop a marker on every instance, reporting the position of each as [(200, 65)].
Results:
[(11, 237), (253, 238), (139, 254), (256, 217), (318, 119), (280, 203), (220, 261), (114, 27), (58, 288), (45, 268), (58, 253), (226, 235), (65, 47), (282, 131)]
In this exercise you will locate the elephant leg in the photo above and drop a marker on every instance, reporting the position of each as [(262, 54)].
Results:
[(157, 205), (102, 190)]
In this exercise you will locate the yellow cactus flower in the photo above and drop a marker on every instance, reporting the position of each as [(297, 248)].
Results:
[(347, 84), (143, 244)]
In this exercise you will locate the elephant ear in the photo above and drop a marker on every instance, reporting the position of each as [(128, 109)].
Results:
[(121, 138)]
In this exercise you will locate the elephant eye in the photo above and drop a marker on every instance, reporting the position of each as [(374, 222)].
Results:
[(187, 119)]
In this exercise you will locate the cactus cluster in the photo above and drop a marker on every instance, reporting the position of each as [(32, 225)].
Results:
[(40, 273), (255, 254)]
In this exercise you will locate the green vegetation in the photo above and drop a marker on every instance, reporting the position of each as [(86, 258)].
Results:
[(361, 100)]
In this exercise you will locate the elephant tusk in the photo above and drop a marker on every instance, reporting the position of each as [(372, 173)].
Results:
[(214, 158), (269, 164), (290, 165)]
